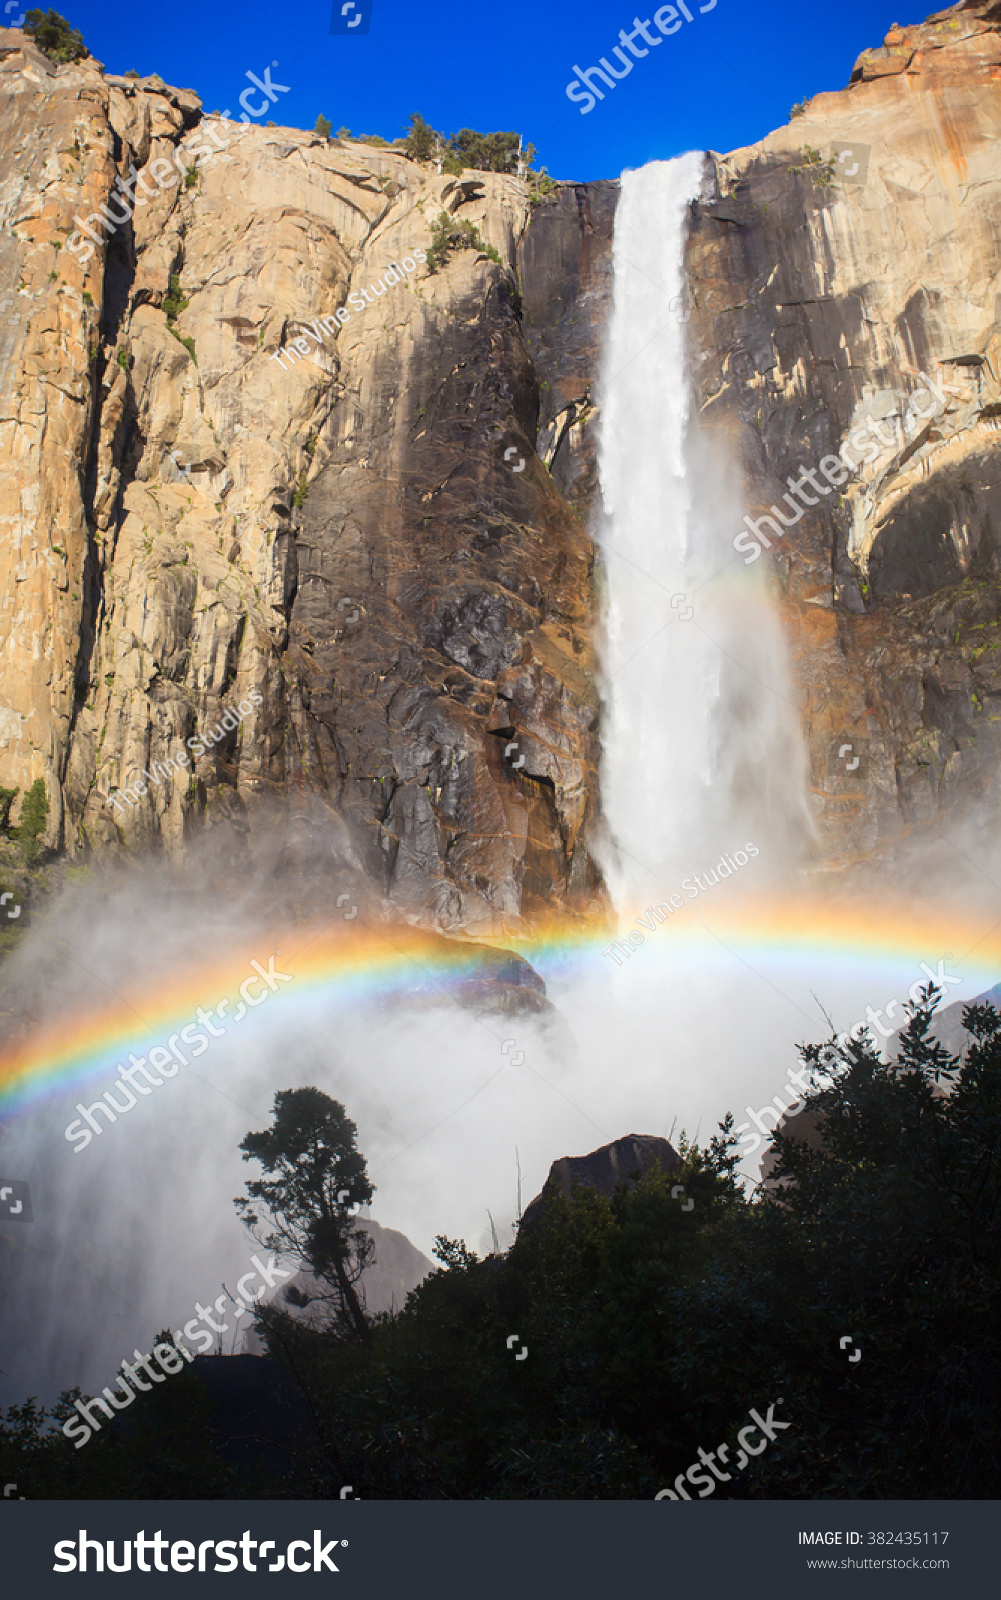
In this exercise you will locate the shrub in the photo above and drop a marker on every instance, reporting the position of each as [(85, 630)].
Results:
[(174, 301), (821, 172), (123, 358), (54, 37), (449, 234), (323, 126), (488, 152), (189, 345), (799, 108), (540, 185), (481, 152), (7, 798), (191, 177)]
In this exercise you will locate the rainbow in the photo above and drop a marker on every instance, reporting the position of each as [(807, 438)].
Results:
[(791, 935)]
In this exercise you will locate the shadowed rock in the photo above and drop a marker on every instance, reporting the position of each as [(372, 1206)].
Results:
[(623, 1161)]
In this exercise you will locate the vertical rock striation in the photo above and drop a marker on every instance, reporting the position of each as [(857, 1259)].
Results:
[(846, 261), (316, 567)]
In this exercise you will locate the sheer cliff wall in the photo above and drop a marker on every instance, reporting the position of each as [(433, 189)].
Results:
[(350, 591), (844, 262), (337, 588)]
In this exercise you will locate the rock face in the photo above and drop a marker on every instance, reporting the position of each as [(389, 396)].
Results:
[(339, 580), (565, 269), (348, 591), (839, 299), (623, 1161)]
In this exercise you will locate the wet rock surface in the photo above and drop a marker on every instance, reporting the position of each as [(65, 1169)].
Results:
[(839, 299)]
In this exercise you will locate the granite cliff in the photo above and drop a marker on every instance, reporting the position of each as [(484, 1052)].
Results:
[(190, 520), (377, 547), (827, 293)]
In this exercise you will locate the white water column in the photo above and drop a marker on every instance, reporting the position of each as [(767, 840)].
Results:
[(701, 747)]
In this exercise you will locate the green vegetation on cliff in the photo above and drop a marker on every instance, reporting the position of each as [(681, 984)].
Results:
[(31, 822), (480, 152), (7, 798), (55, 37), (449, 234)]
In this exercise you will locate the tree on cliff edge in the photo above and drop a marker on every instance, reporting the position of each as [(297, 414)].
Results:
[(54, 37)]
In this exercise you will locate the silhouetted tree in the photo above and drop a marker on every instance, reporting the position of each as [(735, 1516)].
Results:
[(315, 1175), (649, 1329)]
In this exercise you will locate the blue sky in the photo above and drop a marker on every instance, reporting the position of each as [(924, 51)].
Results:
[(724, 80)]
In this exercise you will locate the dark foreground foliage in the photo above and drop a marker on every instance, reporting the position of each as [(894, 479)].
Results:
[(651, 1331)]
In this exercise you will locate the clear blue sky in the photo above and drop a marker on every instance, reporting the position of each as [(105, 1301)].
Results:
[(725, 80)]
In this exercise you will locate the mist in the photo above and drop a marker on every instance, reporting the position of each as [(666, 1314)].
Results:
[(702, 755)]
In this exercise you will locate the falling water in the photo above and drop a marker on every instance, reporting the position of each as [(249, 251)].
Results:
[(702, 750), (702, 753)]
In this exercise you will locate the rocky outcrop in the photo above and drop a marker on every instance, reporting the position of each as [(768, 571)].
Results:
[(335, 587), (828, 292), (624, 1161)]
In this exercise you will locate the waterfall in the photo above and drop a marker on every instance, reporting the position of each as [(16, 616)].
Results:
[(702, 749)]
